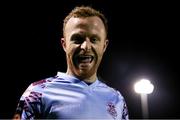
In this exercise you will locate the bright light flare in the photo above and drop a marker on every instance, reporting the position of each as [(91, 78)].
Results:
[(143, 86)]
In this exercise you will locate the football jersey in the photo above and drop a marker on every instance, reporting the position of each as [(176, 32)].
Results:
[(66, 97)]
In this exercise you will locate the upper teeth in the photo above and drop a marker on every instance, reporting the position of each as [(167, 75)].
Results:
[(86, 58)]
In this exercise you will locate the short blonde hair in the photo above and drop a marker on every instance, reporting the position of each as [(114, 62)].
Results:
[(85, 11)]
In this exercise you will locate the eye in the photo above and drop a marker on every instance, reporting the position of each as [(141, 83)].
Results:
[(77, 39), (94, 39)]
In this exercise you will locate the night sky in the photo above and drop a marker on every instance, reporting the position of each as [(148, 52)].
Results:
[(144, 43)]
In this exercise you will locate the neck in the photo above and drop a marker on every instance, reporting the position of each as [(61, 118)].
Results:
[(90, 79), (85, 78)]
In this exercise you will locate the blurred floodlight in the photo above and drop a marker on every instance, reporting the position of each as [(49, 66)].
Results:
[(143, 86)]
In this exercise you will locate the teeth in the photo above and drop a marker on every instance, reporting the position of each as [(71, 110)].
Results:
[(85, 58)]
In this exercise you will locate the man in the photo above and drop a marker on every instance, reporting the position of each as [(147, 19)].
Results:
[(76, 94)]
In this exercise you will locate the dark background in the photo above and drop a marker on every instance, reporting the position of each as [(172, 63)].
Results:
[(144, 43)]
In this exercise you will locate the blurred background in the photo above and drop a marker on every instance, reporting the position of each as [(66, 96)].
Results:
[(144, 43)]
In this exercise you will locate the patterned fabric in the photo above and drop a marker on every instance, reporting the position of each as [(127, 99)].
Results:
[(66, 97)]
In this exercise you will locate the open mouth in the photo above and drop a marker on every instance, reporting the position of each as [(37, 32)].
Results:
[(85, 58)]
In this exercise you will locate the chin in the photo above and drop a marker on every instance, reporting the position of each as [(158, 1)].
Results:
[(85, 73)]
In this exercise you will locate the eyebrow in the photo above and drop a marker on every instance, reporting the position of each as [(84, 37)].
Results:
[(85, 34)]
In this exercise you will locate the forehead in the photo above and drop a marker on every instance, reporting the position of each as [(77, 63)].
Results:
[(87, 23)]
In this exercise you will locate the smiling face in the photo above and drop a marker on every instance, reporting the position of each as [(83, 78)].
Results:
[(84, 43)]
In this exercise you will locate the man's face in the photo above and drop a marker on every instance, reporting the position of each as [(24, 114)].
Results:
[(84, 43)]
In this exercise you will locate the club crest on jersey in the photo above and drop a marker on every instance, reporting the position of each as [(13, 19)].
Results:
[(112, 110)]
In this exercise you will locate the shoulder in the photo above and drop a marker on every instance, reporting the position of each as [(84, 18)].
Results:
[(37, 87), (40, 86), (110, 89)]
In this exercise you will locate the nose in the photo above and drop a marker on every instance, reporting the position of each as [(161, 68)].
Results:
[(86, 45)]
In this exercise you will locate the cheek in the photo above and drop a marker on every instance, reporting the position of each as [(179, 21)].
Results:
[(71, 50), (99, 50)]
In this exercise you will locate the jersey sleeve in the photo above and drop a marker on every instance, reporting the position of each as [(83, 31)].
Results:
[(29, 106), (125, 114)]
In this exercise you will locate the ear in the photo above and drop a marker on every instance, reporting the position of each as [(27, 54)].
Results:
[(63, 43), (105, 44)]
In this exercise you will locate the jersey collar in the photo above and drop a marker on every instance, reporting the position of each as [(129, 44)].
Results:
[(74, 79)]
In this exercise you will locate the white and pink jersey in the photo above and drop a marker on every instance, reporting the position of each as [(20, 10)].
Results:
[(67, 97)]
